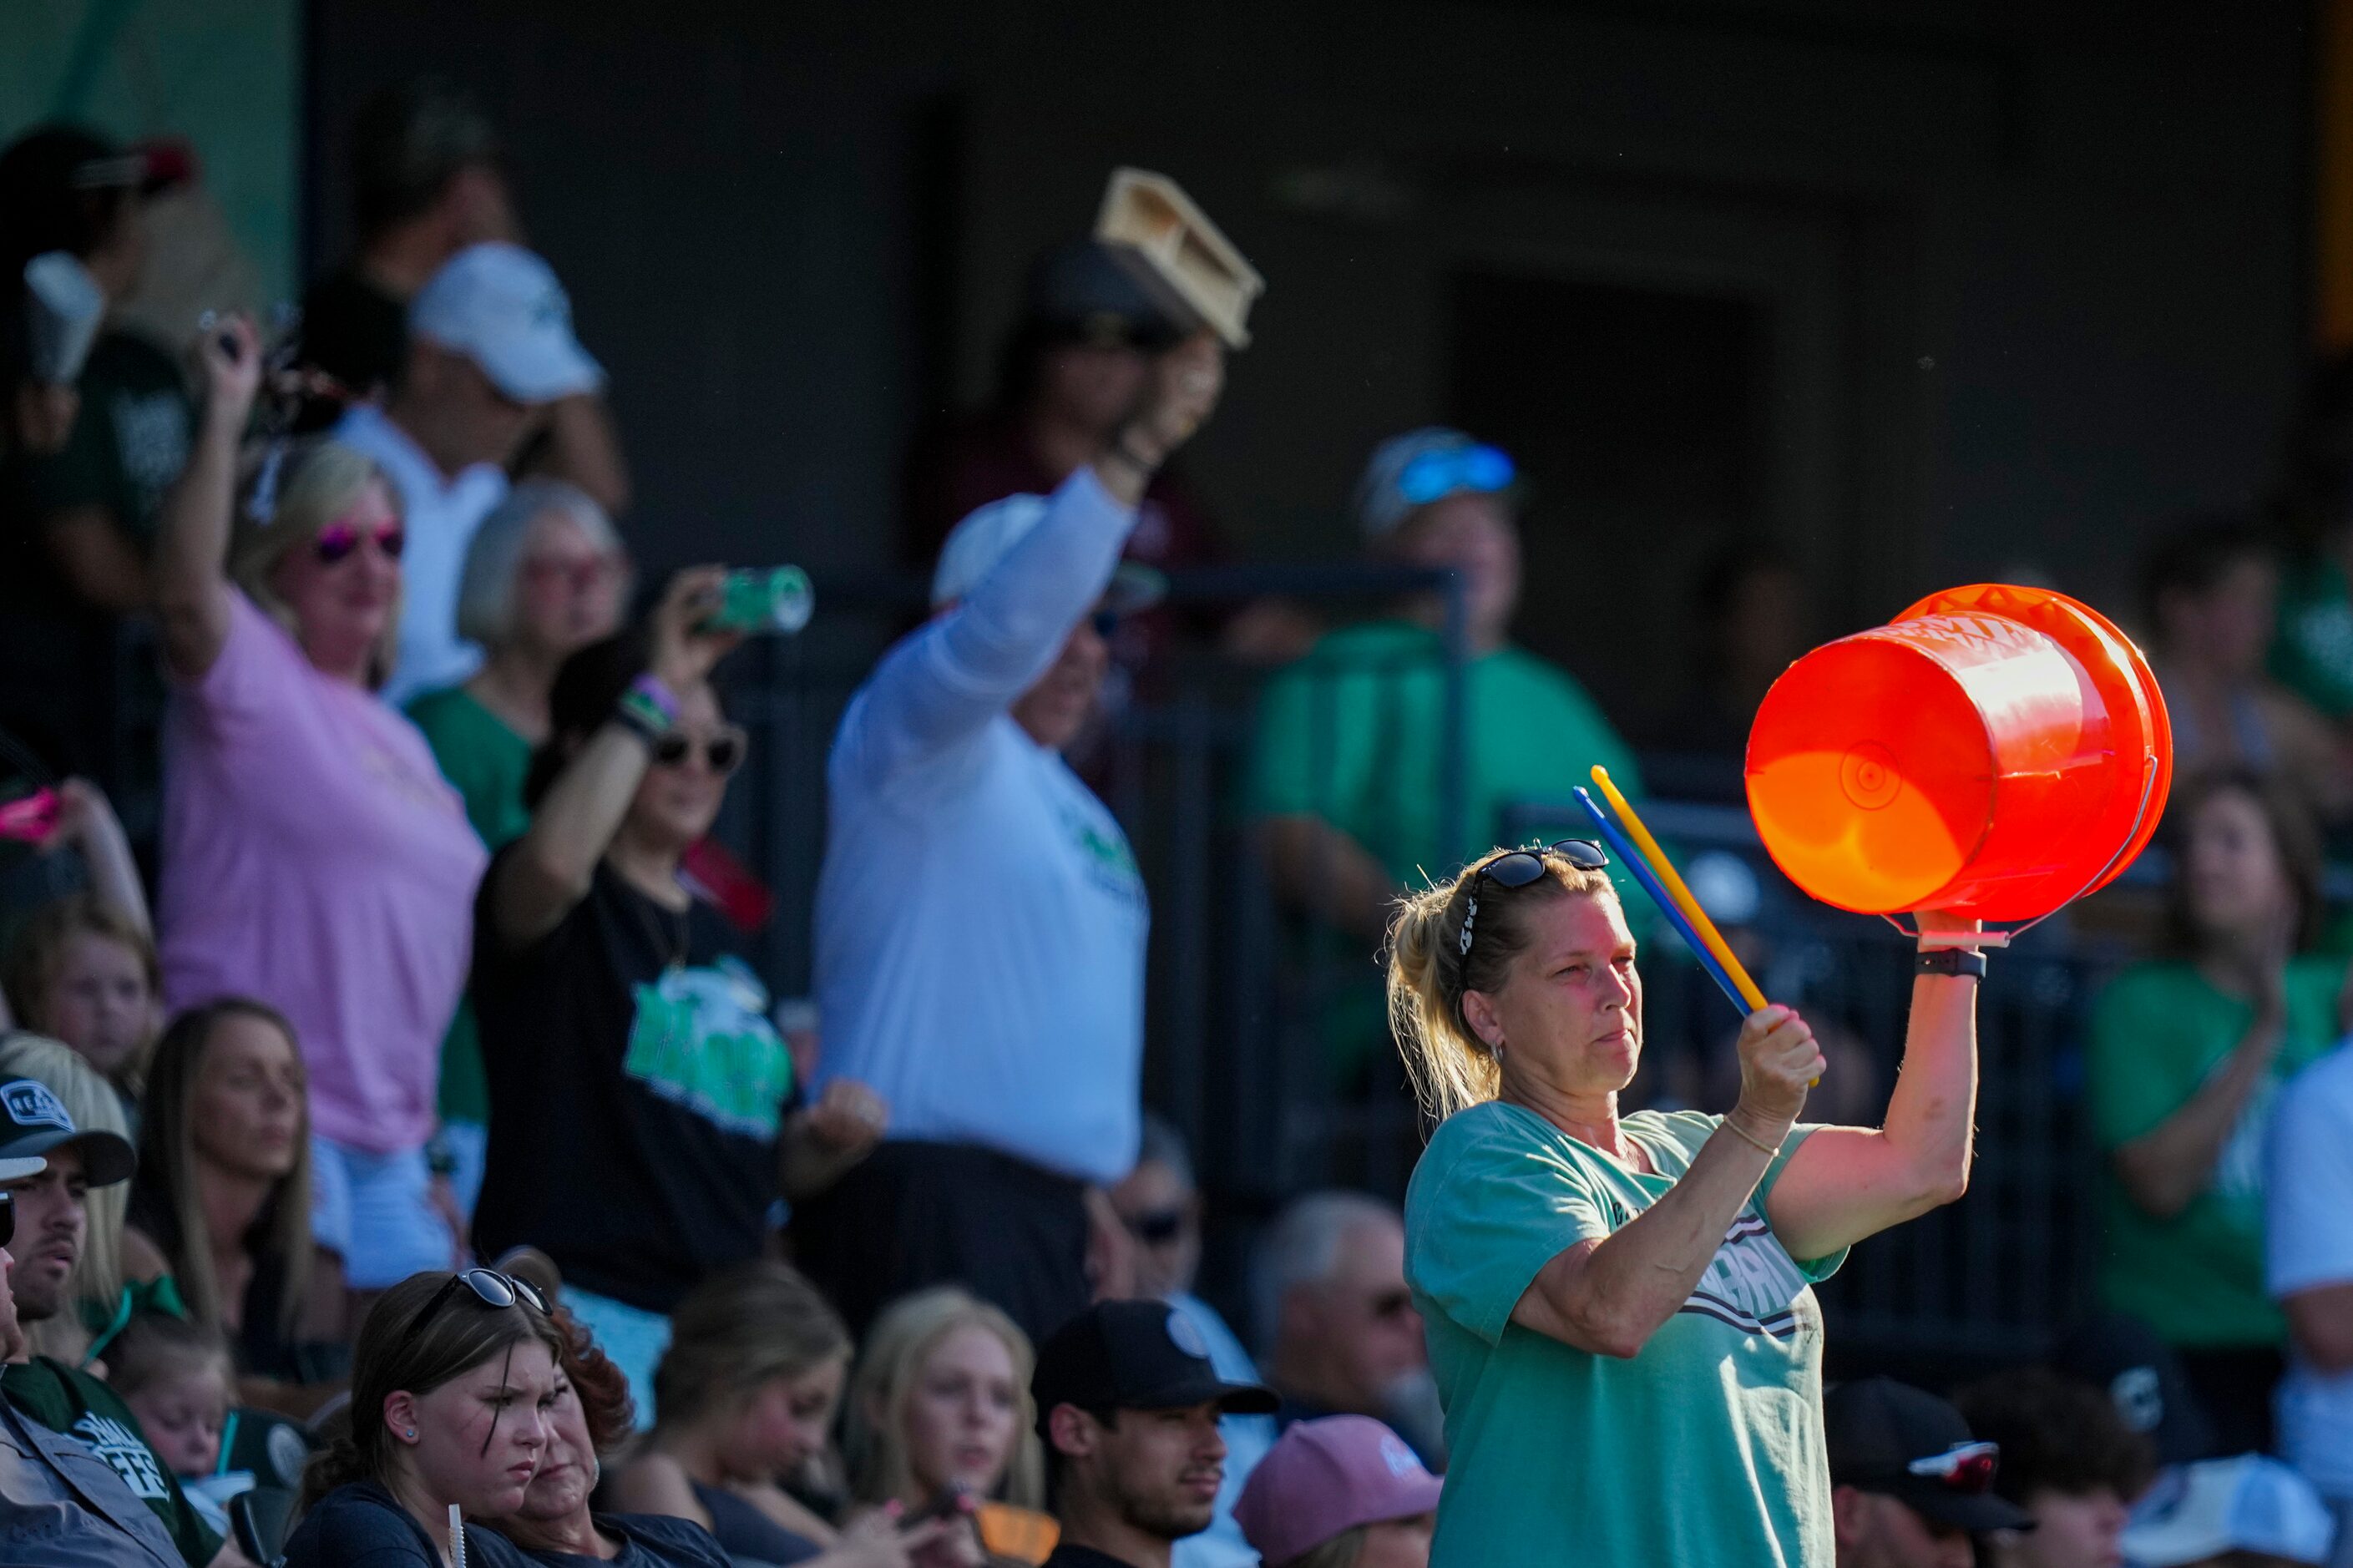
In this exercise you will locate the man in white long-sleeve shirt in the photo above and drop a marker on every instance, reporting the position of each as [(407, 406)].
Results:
[(980, 922)]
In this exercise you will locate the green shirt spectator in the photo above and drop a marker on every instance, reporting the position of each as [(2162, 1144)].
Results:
[(1540, 1432), (486, 760), (2313, 654), (1352, 734), (1348, 778), (2161, 1031), (66, 1400)]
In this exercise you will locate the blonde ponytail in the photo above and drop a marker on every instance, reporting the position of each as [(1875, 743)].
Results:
[(1453, 1070)]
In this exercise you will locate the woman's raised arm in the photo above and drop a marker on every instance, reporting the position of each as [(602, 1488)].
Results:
[(1848, 1182), (191, 560)]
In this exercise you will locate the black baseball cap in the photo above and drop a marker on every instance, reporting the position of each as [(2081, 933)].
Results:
[(1136, 1356), (2144, 1379), (32, 1120), (1889, 1437)]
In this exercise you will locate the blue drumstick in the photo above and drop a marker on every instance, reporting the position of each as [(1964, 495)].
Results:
[(1639, 870)]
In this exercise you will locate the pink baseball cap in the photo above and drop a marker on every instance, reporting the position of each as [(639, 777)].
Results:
[(1327, 1476)]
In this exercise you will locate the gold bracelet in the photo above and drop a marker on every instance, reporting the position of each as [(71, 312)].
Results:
[(1767, 1150)]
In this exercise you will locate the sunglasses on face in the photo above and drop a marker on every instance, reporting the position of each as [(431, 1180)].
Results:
[(492, 1289), (1435, 475), (1158, 1227), (1520, 868), (723, 750), (1963, 1468), (337, 541), (7, 1218)]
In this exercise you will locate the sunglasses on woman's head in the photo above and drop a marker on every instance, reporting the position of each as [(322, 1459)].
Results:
[(491, 1288), (724, 752), (336, 543), (1522, 866)]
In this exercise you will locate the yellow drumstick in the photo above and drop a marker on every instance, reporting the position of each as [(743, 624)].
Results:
[(1675, 885)]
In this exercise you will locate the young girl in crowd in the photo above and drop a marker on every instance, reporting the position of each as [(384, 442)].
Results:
[(83, 968), (748, 1392), (223, 1195), (941, 1399), (178, 1379), (2187, 1054), (452, 1382)]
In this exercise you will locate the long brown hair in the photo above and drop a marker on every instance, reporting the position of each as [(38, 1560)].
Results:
[(166, 1181), (2295, 839), (396, 1352), (1452, 1068), (738, 1330)]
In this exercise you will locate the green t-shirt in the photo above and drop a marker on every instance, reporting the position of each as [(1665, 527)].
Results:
[(1352, 734), (78, 1404), (486, 761), (2159, 1030), (2313, 653), (1705, 1448)]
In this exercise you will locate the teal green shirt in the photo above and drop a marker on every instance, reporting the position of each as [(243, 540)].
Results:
[(2159, 1031), (486, 761), (2313, 653), (1352, 733), (1707, 1448)]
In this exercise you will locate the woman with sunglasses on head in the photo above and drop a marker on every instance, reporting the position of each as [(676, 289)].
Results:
[(1620, 1309), (452, 1383), (644, 1115), (313, 856)]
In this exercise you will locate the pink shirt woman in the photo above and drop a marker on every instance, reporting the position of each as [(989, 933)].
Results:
[(313, 856)]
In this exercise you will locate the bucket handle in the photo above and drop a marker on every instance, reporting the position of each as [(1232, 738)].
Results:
[(1984, 939)]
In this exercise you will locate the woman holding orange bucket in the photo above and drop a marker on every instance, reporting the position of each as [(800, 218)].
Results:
[(2188, 1051), (1620, 1309)]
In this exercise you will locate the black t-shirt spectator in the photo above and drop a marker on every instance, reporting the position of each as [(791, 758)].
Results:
[(637, 1088), (354, 331)]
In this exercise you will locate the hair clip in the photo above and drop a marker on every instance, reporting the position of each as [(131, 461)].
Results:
[(1462, 938), (263, 506)]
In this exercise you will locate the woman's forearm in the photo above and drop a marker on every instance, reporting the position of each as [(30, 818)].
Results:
[(1611, 1296), (555, 864), (191, 550), (2167, 1167), (1932, 1115)]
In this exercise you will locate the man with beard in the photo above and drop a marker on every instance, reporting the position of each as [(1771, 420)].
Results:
[(1128, 1403), (52, 1222)]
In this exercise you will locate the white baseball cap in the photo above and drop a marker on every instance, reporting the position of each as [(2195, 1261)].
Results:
[(976, 544), (500, 306), (2246, 1504)]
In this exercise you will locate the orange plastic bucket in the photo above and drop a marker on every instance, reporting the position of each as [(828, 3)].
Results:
[(1993, 751)]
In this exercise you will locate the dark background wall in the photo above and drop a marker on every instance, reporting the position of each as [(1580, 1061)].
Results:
[(1925, 294)]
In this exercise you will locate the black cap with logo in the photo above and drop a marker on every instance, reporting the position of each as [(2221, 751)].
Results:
[(1889, 1437), (1136, 1356), (33, 1121)]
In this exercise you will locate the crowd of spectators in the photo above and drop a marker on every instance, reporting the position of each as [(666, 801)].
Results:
[(435, 1141)]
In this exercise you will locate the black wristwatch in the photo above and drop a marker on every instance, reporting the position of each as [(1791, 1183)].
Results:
[(1950, 961)]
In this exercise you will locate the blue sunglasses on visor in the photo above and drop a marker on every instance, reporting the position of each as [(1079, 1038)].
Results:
[(1435, 475)]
